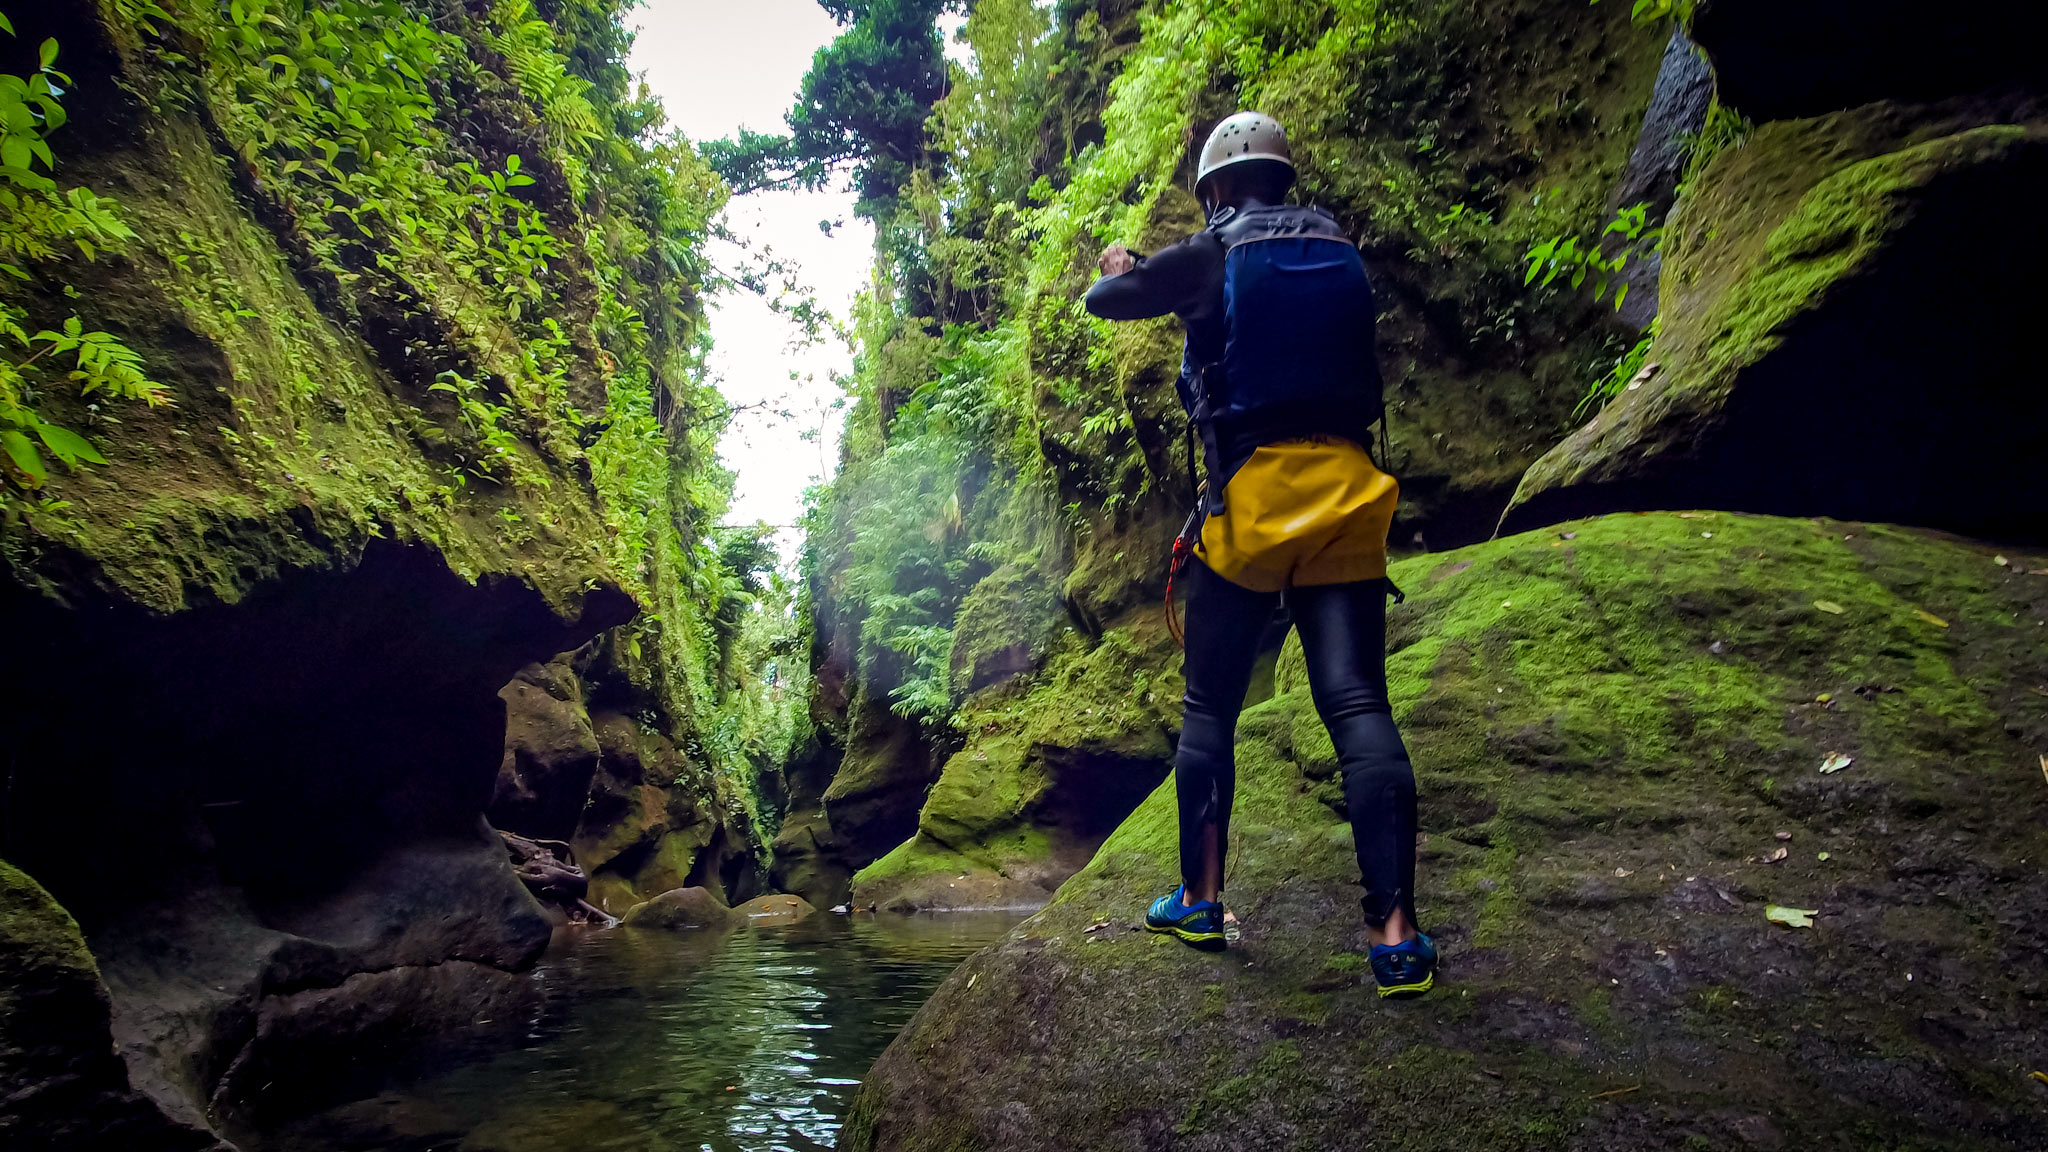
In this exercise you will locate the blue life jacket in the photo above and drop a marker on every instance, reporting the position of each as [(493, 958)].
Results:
[(1297, 355)]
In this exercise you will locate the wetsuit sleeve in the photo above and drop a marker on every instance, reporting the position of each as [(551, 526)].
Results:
[(1174, 279)]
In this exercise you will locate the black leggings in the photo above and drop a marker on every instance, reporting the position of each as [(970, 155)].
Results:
[(1344, 635)]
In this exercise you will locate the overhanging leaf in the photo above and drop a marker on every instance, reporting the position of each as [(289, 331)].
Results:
[(22, 451), (68, 446)]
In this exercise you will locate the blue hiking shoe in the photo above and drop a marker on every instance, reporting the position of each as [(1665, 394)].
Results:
[(1405, 969), (1198, 926)]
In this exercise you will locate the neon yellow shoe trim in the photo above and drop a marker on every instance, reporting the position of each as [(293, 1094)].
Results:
[(1427, 982)]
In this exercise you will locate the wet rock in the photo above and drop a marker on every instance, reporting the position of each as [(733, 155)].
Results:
[(637, 836), (1809, 297), (773, 909), (1780, 61), (65, 1087), (1678, 109), (1051, 765), (551, 752), (810, 859), (880, 785), (1677, 112), (1609, 979), (681, 909)]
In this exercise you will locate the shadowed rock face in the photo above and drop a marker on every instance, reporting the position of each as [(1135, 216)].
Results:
[(1779, 61), (1618, 729), (66, 1087), (266, 815), (1847, 306)]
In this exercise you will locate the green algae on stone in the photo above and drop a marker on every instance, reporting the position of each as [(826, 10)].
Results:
[(1051, 764), (1802, 284), (1610, 725)]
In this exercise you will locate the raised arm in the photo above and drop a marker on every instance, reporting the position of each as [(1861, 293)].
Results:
[(1136, 287)]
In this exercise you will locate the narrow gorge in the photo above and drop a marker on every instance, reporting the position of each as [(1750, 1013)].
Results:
[(402, 722)]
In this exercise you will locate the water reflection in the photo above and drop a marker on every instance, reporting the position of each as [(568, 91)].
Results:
[(748, 1042)]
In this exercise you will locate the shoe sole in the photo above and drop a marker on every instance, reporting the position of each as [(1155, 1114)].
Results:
[(1405, 991), (1205, 941)]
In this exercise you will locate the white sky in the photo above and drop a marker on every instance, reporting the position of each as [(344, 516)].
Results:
[(718, 65)]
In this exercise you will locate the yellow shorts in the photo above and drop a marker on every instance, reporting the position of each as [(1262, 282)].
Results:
[(1302, 513)]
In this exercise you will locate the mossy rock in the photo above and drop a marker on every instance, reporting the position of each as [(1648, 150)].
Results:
[(1003, 627), (683, 909), (881, 783), (66, 1086), (809, 860), (1616, 726), (775, 909), (1819, 291), (1052, 764)]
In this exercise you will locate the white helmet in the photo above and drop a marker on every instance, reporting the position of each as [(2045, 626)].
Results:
[(1245, 136)]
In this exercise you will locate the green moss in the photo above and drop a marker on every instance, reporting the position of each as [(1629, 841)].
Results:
[(1003, 626), (38, 939), (1765, 235), (1592, 720)]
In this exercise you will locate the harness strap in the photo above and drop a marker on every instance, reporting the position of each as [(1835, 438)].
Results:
[(1203, 417)]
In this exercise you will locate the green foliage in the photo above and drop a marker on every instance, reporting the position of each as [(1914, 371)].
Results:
[(1600, 261), (1657, 11), (863, 104), (37, 223), (1617, 381), (480, 190)]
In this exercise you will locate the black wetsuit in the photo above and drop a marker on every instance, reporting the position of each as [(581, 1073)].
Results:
[(1343, 626)]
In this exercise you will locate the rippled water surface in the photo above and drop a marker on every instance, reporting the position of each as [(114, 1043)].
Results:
[(648, 1041)]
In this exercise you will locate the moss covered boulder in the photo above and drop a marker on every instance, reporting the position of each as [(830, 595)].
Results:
[(1051, 766), (1846, 330), (1620, 729), (65, 1086), (683, 909), (872, 803)]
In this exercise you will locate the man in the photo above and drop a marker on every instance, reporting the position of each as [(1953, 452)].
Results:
[(1281, 380)]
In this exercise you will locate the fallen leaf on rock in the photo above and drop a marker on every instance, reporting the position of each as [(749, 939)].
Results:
[(1829, 607), (1098, 926), (1930, 617), (1567, 535), (2044, 767), (1624, 872), (1824, 698), (2001, 561), (1784, 835), (1790, 917), (1821, 856), (2041, 1076), (1835, 762), (1780, 854)]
